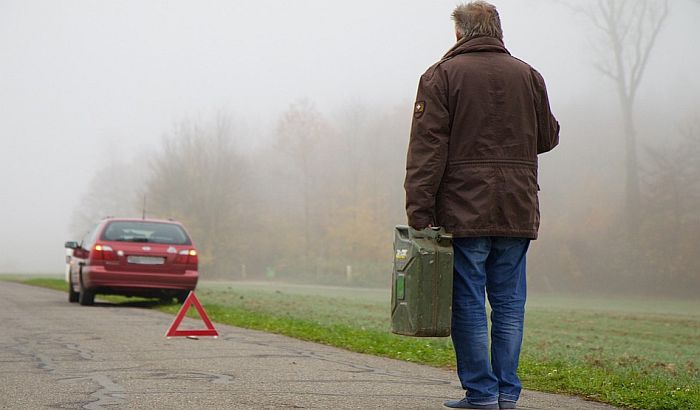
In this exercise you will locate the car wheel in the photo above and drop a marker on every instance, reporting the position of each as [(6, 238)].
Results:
[(86, 297), (165, 299), (72, 294), (181, 296)]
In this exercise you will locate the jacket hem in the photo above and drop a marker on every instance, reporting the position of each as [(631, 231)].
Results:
[(472, 233)]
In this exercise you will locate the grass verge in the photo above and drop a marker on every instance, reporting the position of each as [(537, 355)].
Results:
[(635, 360)]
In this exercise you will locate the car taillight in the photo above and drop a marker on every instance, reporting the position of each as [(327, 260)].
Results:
[(187, 257), (103, 253)]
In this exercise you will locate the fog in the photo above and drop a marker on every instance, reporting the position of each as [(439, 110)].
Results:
[(96, 97)]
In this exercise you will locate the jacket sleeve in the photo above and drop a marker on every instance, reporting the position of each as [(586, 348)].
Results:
[(547, 125), (427, 149)]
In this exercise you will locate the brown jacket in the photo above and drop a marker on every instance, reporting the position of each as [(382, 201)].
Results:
[(480, 119)]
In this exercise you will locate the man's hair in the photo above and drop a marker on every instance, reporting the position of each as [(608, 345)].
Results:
[(477, 19)]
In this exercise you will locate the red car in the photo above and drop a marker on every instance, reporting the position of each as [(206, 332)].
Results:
[(133, 257)]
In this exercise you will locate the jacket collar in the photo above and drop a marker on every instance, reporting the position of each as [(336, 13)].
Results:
[(477, 44)]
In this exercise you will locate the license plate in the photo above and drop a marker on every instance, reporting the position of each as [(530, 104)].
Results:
[(145, 260)]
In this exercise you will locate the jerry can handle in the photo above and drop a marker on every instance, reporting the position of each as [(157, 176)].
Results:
[(435, 232), (443, 236)]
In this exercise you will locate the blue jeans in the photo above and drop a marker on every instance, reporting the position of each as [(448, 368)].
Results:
[(495, 265)]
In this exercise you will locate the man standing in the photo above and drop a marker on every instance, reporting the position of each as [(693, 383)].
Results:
[(480, 119)]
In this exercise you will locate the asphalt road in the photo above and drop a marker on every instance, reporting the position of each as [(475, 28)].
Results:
[(64, 356)]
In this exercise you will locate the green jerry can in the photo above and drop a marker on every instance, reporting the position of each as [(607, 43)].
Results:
[(421, 296)]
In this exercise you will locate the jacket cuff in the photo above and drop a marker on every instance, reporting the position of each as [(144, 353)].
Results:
[(419, 223)]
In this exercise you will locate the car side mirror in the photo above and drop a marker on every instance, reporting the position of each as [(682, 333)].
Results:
[(71, 245)]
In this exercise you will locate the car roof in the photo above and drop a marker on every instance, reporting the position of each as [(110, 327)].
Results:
[(165, 221)]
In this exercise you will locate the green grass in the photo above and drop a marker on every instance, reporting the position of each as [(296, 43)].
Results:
[(636, 354), (43, 282)]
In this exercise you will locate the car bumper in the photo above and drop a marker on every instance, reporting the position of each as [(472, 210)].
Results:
[(98, 277)]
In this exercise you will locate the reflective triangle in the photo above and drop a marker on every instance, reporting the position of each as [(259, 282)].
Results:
[(191, 300)]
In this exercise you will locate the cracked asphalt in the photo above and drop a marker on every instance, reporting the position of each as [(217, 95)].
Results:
[(58, 355)]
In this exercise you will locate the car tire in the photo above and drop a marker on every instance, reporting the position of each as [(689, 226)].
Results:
[(73, 296), (181, 296), (165, 299), (86, 296)]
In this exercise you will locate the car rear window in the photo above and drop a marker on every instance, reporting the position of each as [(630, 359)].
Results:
[(151, 232)]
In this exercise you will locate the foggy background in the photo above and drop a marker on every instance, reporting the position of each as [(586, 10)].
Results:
[(277, 132)]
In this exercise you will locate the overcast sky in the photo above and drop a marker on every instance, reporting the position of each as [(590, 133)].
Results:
[(84, 80)]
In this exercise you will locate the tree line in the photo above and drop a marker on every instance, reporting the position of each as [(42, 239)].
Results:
[(319, 202)]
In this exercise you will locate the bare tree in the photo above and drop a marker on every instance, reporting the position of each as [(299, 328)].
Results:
[(630, 29), (198, 177), (671, 185), (114, 190), (671, 223), (299, 132)]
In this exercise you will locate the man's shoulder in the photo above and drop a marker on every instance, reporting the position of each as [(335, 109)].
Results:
[(524, 63), (429, 74), (535, 75)]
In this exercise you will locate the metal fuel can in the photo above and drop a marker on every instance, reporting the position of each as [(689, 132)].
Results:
[(421, 295)]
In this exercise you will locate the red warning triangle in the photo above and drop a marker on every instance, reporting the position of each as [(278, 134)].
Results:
[(192, 300)]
